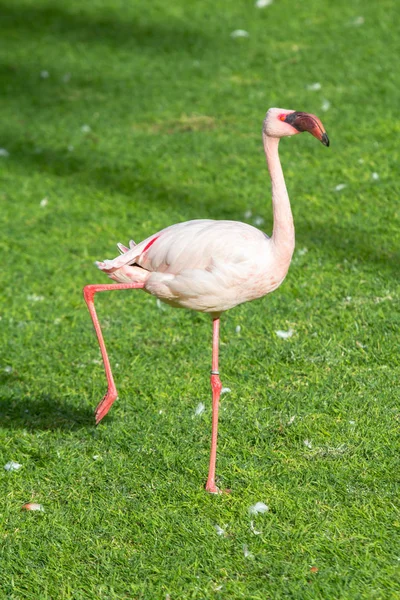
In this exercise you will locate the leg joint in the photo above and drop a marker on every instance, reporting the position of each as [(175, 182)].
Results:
[(216, 384), (89, 292)]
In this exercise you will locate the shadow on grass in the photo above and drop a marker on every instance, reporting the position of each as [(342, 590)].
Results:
[(164, 34), (348, 244), (135, 178), (157, 33), (43, 412)]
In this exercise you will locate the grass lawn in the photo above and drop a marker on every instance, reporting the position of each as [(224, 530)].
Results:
[(120, 118)]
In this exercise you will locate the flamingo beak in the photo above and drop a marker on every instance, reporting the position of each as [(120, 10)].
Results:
[(302, 121), (325, 139)]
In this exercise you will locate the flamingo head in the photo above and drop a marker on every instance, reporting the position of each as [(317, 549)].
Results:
[(280, 122)]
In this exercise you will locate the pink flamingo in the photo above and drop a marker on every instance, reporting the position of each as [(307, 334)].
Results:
[(211, 266)]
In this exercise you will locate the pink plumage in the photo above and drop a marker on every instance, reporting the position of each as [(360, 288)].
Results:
[(208, 266), (211, 266)]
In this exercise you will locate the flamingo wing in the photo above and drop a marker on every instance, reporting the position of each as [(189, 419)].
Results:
[(193, 244)]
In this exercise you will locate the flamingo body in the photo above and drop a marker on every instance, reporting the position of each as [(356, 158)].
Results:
[(208, 266)]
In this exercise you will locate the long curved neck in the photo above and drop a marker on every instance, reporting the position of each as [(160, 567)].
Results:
[(283, 230)]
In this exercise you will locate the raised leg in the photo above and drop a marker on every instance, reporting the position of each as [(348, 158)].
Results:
[(216, 392), (89, 292)]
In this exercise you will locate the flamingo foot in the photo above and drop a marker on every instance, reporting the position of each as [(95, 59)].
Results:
[(104, 406), (211, 488)]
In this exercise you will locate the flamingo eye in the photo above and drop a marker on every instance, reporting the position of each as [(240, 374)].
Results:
[(282, 117)]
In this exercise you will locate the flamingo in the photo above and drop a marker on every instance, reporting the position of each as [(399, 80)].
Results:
[(211, 266)]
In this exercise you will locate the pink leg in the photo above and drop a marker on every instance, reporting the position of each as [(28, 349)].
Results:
[(216, 392), (89, 291)]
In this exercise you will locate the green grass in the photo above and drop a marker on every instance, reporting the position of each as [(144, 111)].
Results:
[(175, 107)]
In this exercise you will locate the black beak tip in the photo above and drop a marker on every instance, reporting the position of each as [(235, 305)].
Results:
[(325, 139)]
